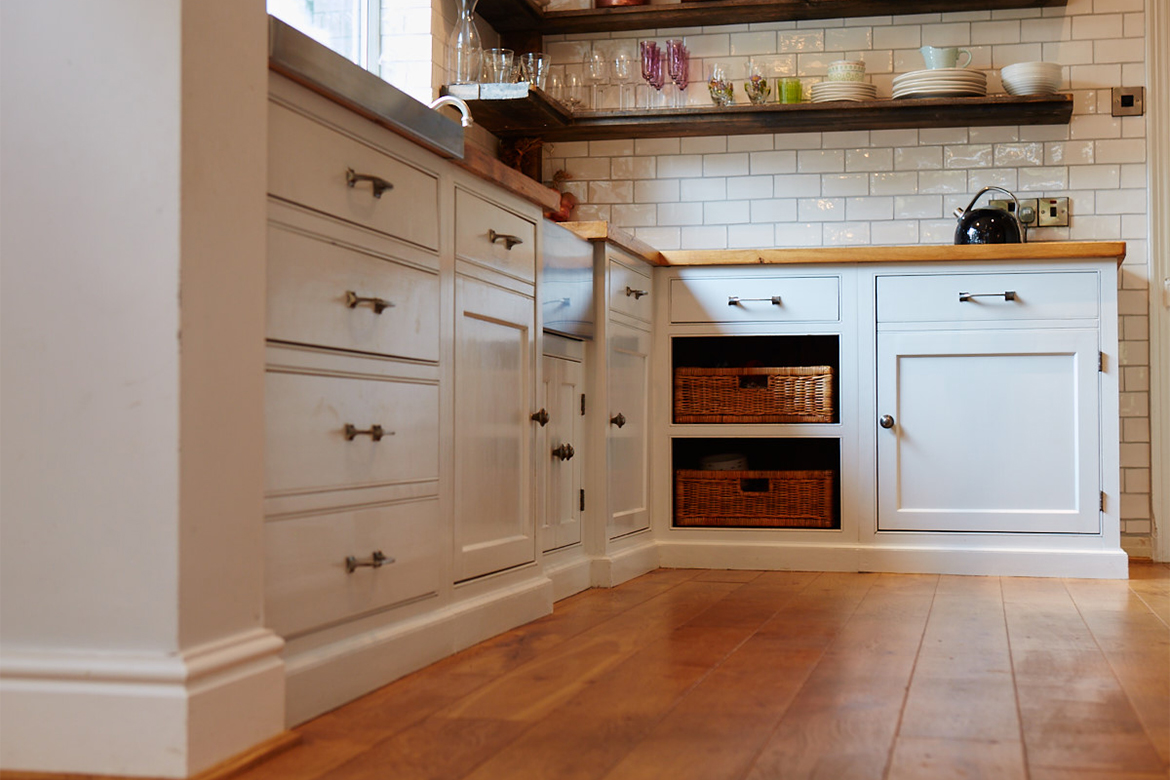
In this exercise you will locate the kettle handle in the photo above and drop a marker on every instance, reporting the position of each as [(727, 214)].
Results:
[(989, 188)]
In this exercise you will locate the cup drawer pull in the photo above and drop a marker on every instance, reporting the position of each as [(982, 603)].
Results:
[(377, 560), (1007, 295), (379, 184), (352, 300), (509, 240), (375, 432), (735, 300), (636, 293)]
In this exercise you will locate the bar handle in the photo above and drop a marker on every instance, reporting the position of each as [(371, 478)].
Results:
[(735, 300), (377, 560), (1007, 295), (375, 432)]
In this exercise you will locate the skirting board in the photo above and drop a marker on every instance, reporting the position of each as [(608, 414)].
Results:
[(159, 715), (569, 571), (1098, 564), (638, 556), (327, 677)]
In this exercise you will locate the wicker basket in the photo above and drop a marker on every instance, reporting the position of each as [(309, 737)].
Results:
[(753, 499), (754, 395)]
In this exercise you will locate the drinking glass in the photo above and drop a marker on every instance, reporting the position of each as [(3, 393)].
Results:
[(534, 69), (574, 91), (596, 72), (678, 64), (756, 86), (497, 65), (623, 74), (652, 69), (556, 86)]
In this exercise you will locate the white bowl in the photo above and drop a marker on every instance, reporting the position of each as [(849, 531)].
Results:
[(1031, 78)]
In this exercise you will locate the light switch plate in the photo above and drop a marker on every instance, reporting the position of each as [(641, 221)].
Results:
[(1026, 218), (1053, 212), (1129, 101)]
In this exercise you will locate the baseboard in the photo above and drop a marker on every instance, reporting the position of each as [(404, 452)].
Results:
[(569, 571), (165, 715), (637, 555), (323, 678), (755, 555), (1088, 564)]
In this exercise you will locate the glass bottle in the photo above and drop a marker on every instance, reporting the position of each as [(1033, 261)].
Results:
[(464, 51)]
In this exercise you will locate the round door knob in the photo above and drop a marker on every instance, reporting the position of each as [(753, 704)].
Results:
[(619, 420), (886, 421), (541, 417)]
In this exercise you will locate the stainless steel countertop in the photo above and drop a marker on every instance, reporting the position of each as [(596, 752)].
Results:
[(299, 57)]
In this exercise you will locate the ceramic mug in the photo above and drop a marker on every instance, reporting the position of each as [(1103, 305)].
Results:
[(944, 57)]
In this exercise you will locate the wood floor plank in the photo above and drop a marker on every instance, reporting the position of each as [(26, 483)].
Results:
[(932, 759), (843, 721), (1136, 644), (1074, 712)]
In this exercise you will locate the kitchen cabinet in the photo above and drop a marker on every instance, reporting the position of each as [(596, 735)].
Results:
[(988, 402), (562, 451), (494, 376), (628, 434)]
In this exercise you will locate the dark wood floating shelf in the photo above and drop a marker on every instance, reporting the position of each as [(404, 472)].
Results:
[(538, 116), (508, 16)]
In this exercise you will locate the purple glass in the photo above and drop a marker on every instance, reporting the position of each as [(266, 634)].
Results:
[(678, 63), (652, 64)]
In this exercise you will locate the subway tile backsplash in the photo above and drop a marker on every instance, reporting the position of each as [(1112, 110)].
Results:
[(890, 187)]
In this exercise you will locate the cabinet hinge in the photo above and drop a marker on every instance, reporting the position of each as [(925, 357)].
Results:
[(1101, 502), (582, 493), (582, 404), (1100, 361)]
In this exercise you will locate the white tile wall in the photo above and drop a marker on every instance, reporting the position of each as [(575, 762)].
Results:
[(899, 186)]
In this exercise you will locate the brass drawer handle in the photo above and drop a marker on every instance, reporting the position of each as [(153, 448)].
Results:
[(375, 432), (1007, 295), (636, 293), (735, 300), (377, 560), (379, 184), (619, 420), (564, 452), (541, 417), (509, 240), (380, 305)]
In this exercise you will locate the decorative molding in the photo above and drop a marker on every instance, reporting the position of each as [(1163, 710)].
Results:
[(1158, 164)]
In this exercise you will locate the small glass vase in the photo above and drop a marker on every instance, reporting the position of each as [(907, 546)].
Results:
[(464, 50)]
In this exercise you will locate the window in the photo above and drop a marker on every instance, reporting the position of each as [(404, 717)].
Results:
[(348, 27)]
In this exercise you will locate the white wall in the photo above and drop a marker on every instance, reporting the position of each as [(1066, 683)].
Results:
[(900, 186), (131, 324)]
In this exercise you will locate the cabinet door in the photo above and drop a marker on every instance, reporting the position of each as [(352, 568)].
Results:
[(993, 431), (628, 463), (494, 366), (562, 452)]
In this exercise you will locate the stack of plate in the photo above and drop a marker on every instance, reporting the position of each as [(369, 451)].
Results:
[(825, 91), (941, 82)]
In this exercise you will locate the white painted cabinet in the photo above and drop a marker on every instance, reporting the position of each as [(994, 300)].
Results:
[(628, 439), (562, 451), (494, 431)]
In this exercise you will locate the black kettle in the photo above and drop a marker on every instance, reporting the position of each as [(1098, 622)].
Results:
[(989, 226)]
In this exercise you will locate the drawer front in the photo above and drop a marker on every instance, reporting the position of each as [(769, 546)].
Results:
[(307, 582), (756, 299), (629, 291), (988, 297), (306, 445), (318, 291), (485, 234), (307, 164)]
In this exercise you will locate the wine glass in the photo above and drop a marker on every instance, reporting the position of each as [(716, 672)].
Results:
[(652, 66), (574, 90), (596, 72), (623, 73), (678, 64)]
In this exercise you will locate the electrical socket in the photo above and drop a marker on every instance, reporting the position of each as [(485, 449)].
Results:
[(1053, 212), (1026, 218)]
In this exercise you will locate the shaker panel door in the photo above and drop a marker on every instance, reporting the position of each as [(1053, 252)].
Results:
[(562, 453), (992, 431), (628, 439)]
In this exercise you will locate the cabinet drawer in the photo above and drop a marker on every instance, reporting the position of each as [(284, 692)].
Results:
[(1009, 296), (306, 445), (310, 282), (738, 299), (629, 291), (307, 164), (477, 221), (307, 582)]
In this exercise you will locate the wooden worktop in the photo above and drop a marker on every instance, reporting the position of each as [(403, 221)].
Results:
[(603, 231), (917, 253)]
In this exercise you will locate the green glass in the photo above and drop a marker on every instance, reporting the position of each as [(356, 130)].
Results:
[(789, 90)]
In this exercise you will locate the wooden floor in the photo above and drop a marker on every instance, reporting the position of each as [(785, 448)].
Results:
[(703, 675)]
